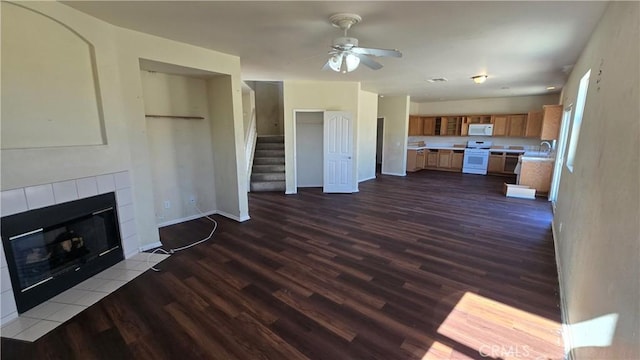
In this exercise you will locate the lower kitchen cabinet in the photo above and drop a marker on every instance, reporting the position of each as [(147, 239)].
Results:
[(444, 158), (415, 160), (432, 158), (456, 159), (502, 163), (536, 175)]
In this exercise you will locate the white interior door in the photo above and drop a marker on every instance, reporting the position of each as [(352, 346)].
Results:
[(338, 152)]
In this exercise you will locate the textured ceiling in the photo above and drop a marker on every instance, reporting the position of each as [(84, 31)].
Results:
[(522, 46)]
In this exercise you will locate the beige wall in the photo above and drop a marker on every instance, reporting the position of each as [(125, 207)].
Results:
[(66, 74), (505, 105), (395, 110), (597, 222), (316, 95), (269, 111), (117, 53), (248, 106), (366, 136), (180, 150)]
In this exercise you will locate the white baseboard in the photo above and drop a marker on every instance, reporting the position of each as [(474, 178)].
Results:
[(367, 179), (564, 309), (188, 218), (147, 247), (241, 218), (394, 174)]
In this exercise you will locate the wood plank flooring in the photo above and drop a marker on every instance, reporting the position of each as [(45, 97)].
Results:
[(432, 265)]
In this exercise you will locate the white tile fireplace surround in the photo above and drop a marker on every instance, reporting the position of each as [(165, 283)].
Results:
[(20, 200)]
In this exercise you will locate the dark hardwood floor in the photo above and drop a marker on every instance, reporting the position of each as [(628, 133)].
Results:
[(433, 265)]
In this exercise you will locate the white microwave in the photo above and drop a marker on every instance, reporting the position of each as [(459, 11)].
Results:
[(480, 129)]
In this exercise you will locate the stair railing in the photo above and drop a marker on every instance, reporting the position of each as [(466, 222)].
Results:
[(250, 145)]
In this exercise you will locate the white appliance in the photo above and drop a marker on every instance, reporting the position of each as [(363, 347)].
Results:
[(480, 129), (476, 157)]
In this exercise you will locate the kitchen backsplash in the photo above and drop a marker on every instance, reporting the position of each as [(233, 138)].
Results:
[(529, 144)]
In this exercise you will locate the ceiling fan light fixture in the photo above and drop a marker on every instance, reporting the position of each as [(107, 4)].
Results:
[(479, 79), (344, 63)]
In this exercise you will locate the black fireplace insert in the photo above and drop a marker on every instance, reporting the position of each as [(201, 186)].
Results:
[(51, 249)]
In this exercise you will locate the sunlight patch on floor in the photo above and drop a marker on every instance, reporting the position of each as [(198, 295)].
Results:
[(496, 330)]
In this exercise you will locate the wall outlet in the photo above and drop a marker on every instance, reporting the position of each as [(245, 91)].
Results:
[(167, 204), (192, 199)]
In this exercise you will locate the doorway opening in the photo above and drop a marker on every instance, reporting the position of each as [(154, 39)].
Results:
[(379, 142), (309, 148)]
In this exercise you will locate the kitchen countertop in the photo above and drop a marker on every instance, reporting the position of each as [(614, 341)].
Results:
[(434, 147), (538, 156)]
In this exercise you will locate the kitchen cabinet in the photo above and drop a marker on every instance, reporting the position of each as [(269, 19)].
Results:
[(457, 157), (503, 163), (499, 125), (536, 174), (415, 160), (451, 126), (415, 125), (534, 124), (496, 162), (551, 118), (429, 126), (444, 158), (516, 125), (431, 158)]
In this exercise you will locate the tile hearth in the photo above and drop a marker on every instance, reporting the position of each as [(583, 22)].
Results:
[(36, 322)]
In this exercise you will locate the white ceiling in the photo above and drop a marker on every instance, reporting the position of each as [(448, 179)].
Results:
[(522, 46)]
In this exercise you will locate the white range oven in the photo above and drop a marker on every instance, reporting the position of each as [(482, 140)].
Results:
[(476, 157)]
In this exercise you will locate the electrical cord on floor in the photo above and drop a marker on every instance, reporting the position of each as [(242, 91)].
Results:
[(175, 250)]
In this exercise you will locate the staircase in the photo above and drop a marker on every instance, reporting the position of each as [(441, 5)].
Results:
[(267, 173)]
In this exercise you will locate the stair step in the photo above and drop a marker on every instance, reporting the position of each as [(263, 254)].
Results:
[(267, 168), (272, 176), (270, 146), (271, 139), (268, 153), (267, 186), (277, 160)]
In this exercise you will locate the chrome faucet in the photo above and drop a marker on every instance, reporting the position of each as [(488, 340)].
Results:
[(546, 143)]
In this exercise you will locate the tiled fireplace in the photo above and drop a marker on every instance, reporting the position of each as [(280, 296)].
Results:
[(95, 190)]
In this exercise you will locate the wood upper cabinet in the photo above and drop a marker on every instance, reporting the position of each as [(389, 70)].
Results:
[(415, 125), (428, 126), (551, 117), (516, 125), (534, 124), (451, 125), (499, 125)]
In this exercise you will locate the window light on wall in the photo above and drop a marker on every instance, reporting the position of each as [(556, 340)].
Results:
[(577, 119)]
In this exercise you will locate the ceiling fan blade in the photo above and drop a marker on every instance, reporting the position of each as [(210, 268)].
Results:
[(376, 52), (364, 59)]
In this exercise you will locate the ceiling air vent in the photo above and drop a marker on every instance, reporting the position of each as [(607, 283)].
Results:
[(437, 80)]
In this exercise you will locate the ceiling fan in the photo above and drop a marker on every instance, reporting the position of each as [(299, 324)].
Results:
[(345, 53)]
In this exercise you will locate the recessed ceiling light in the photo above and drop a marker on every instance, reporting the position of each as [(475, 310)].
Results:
[(551, 87), (437, 79), (479, 79)]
